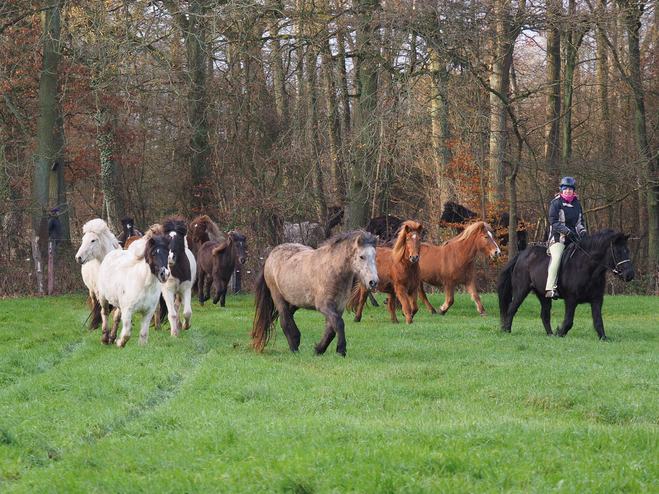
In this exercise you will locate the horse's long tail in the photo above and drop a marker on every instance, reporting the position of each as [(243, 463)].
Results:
[(265, 315), (505, 287), (95, 317), (353, 302)]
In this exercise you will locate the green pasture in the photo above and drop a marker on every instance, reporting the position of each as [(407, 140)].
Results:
[(447, 404)]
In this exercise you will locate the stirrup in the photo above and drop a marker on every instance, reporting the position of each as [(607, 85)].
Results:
[(553, 294)]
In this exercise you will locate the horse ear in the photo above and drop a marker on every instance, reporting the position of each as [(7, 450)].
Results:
[(359, 240), (420, 229)]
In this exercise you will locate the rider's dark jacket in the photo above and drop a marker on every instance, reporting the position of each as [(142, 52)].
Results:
[(565, 217)]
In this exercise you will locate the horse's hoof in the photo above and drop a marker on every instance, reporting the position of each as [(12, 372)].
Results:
[(357, 319), (505, 330), (343, 353), (483, 314), (319, 350)]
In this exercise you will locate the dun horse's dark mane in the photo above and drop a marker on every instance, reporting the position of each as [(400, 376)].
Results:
[(468, 232), (331, 243)]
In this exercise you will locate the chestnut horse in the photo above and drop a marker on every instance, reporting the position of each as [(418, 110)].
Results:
[(202, 230), (452, 264), (399, 273), (296, 276)]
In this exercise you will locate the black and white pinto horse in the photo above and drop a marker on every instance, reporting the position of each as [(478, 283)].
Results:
[(582, 278), (128, 230)]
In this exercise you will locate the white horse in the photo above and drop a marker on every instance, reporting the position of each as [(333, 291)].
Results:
[(131, 283), (97, 242)]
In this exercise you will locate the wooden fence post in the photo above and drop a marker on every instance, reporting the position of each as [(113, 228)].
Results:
[(36, 255)]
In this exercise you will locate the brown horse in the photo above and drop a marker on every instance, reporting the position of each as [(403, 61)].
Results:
[(452, 264), (202, 230), (216, 263), (296, 276), (399, 273)]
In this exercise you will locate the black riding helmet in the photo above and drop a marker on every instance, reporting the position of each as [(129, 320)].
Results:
[(568, 182)]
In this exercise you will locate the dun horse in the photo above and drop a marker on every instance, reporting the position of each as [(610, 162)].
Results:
[(217, 262), (582, 279), (296, 276), (452, 264), (97, 242), (399, 273), (131, 283)]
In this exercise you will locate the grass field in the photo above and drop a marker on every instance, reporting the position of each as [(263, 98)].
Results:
[(448, 404)]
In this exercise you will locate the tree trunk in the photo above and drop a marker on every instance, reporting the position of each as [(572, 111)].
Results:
[(553, 102), (632, 15), (366, 124), (441, 132), (336, 162), (47, 147)]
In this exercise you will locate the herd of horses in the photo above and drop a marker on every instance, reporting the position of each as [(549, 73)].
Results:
[(158, 271)]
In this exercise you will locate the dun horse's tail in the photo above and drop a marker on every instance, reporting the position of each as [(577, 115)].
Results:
[(353, 302), (505, 287), (265, 315)]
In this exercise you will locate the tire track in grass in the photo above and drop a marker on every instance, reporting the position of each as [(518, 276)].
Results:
[(166, 391)]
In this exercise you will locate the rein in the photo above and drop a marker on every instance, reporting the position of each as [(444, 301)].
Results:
[(613, 269)]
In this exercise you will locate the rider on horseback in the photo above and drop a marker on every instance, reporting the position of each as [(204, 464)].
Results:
[(566, 226)]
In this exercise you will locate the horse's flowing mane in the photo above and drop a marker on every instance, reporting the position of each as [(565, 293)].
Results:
[(471, 230), (596, 243), (175, 224), (331, 243), (399, 246), (212, 230), (100, 228)]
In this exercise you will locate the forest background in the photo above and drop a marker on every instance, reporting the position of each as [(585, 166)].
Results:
[(262, 112)]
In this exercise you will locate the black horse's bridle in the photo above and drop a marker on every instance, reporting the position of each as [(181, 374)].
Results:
[(613, 269)]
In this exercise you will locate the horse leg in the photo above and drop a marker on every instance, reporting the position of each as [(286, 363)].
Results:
[(424, 299), (449, 291), (156, 316), (545, 313), (187, 308), (363, 295), (200, 286), (207, 284), (334, 325), (105, 307), (116, 319), (288, 326), (596, 311), (126, 321), (518, 299), (471, 288), (144, 330), (570, 307), (172, 315), (391, 305)]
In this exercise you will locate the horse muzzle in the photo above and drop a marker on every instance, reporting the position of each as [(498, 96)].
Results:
[(163, 275), (373, 283), (414, 259), (628, 275), (495, 254), (243, 260), (79, 260)]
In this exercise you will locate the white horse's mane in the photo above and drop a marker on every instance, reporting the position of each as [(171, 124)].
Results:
[(100, 228)]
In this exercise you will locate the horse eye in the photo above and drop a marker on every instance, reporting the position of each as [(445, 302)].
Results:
[(361, 257)]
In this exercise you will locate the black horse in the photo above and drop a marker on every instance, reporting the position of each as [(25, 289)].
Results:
[(582, 278)]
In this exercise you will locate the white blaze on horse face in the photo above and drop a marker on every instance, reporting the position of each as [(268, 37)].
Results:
[(171, 254), (495, 254)]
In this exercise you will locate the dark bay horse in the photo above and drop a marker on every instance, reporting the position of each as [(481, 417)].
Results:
[(452, 264), (128, 230), (399, 273), (581, 279), (216, 263), (299, 277)]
